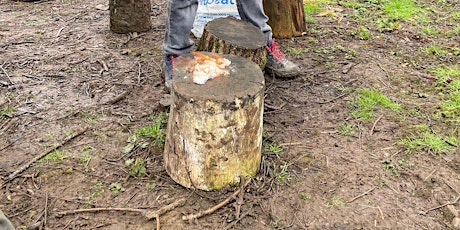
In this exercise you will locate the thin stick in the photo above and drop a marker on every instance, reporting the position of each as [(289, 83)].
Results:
[(46, 210), (7, 76), (165, 209), (443, 205), (375, 123), (158, 223), (362, 194), (214, 208), (117, 98), (41, 155), (148, 214)]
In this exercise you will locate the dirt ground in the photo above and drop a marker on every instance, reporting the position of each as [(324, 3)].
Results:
[(64, 72)]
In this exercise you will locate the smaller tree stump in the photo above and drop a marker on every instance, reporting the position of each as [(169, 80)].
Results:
[(129, 16), (286, 17), (214, 133), (229, 35)]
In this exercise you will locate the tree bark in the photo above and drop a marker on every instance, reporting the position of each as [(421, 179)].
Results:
[(214, 133), (286, 17), (129, 16), (229, 35)]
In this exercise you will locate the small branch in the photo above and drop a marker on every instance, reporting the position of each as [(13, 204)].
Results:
[(148, 214), (375, 123), (7, 76), (14, 174), (442, 205), (220, 205), (424, 75), (165, 209), (333, 99), (117, 98), (362, 194)]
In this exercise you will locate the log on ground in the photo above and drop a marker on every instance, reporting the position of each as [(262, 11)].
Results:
[(214, 133), (230, 35)]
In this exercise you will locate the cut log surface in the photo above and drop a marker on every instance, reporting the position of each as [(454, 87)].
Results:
[(230, 35), (130, 16), (215, 130), (286, 17)]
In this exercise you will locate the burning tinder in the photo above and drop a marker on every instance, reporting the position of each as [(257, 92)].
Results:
[(209, 67)]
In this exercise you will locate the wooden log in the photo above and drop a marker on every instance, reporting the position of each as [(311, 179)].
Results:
[(286, 17), (214, 132), (129, 16), (229, 35)]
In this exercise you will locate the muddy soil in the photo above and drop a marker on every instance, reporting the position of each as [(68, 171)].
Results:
[(64, 72)]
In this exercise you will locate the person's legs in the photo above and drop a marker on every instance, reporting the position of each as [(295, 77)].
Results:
[(179, 23), (253, 12)]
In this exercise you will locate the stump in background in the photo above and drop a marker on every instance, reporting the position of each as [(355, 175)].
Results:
[(286, 17), (129, 15), (215, 130), (233, 36)]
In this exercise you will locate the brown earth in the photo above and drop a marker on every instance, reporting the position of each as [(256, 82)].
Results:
[(63, 70)]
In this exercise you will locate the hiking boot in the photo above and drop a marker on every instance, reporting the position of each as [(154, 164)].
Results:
[(168, 69), (277, 64)]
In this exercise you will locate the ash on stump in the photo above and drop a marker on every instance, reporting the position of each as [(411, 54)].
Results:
[(229, 35), (215, 130), (286, 17), (129, 16)]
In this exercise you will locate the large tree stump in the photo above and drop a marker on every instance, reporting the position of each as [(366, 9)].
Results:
[(230, 35), (286, 17), (214, 130), (129, 15)]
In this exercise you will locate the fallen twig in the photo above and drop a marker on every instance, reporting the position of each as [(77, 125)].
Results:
[(375, 123), (117, 98), (7, 76), (220, 205), (41, 155), (332, 99), (362, 194), (442, 205), (146, 213), (424, 75)]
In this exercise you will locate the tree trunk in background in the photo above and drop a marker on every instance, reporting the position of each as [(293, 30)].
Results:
[(286, 17), (129, 15)]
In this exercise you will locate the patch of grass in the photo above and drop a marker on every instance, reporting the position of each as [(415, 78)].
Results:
[(55, 156), (284, 175), (275, 148), (362, 33), (312, 7), (429, 30), (136, 167), (390, 167), (155, 132), (304, 196), (387, 25), (116, 188), (426, 140), (367, 100), (150, 186), (6, 112), (401, 9), (335, 202), (346, 129), (96, 191), (435, 49), (294, 51)]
